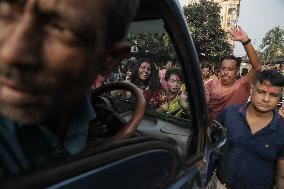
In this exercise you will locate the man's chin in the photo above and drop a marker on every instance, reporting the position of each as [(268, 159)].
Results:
[(226, 82), (264, 110), (27, 116)]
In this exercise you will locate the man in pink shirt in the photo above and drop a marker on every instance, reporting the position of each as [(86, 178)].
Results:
[(227, 90)]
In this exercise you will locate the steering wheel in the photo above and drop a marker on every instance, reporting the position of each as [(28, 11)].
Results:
[(138, 113)]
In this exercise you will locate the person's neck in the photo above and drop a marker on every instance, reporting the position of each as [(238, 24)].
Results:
[(58, 124), (171, 95), (141, 83), (206, 78), (224, 85)]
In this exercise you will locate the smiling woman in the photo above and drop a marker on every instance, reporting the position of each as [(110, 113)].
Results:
[(145, 76)]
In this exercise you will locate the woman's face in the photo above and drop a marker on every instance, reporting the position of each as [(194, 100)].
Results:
[(144, 71)]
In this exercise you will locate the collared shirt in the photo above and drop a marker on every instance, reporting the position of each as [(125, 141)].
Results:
[(24, 147), (220, 97), (252, 158)]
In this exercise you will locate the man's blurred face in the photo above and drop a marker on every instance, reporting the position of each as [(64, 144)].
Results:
[(173, 84), (228, 71), (50, 52), (169, 65), (205, 72), (265, 97)]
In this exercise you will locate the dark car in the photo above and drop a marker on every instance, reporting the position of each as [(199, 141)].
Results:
[(165, 149)]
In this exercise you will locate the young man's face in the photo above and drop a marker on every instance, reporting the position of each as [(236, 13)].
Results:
[(205, 72), (169, 65), (50, 52), (173, 84), (144, 71), (228, 71), (265, 97)]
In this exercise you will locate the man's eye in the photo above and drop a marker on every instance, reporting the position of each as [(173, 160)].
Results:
[(61, 32), (5, 7), (275, 95), (10, 9), (57, 27)]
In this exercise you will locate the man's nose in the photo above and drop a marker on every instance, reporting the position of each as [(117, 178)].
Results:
[(226, 71), (19, 47), (266, 97)]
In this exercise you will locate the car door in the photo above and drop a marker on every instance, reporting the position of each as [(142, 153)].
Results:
[(163, 156)]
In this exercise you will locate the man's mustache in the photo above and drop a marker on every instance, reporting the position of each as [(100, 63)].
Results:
[(24, 78)]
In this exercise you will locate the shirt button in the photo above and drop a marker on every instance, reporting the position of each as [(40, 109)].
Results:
[(266, 145)]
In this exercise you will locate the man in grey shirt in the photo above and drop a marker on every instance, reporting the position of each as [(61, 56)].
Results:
[(50, 52)]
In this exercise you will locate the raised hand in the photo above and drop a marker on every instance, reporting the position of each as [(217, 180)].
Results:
[(237, 34), (184, 101)]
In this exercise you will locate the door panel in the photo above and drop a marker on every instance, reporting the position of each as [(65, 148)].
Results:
[(151, 169)]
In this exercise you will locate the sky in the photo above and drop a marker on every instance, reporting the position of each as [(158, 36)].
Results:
[(257, 17)]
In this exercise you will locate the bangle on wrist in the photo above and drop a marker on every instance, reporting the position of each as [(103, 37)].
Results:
[(246, 42)]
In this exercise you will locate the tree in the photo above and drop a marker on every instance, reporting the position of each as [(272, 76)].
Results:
[(205, 26), (154, 45), (204, 20), (273, 44)]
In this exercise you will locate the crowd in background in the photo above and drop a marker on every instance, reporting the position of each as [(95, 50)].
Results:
[(243, 100), (163, 87)]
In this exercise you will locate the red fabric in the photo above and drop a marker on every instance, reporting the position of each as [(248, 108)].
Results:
[(160, 97)]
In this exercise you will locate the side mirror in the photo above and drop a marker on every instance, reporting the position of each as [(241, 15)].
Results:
[(217, 135)]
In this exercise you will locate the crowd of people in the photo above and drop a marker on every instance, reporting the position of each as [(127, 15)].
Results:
[(244, 101), (44, 97), (163, 89), (246, 105)]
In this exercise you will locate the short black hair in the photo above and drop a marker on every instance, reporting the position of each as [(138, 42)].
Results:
[(274, 77), (173, 71), (244, 71), (232, 57), (206, 66)]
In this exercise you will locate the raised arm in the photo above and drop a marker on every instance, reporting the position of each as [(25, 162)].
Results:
[(237, 34)]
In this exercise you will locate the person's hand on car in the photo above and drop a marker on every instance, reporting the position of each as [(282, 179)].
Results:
[(183, 102)]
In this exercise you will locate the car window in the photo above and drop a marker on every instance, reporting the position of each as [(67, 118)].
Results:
[(154, 67)]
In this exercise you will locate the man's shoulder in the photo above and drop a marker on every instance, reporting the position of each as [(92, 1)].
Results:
[(281, 124), (212, 83), (234, 109)]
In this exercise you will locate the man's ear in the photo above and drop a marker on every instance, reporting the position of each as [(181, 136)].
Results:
[(238, 73), (251, 89), (115, 55)]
